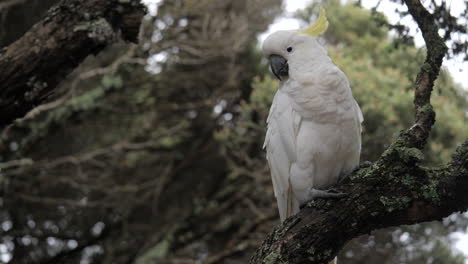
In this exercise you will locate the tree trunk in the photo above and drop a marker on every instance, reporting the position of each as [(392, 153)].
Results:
[(33, 66)]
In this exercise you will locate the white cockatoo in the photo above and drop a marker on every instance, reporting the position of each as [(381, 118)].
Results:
[(314, 125)]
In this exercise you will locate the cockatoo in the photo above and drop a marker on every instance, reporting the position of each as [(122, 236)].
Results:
[(314, 125)]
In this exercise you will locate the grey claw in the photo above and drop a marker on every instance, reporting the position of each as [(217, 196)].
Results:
[(336, 194), (365, 164), (327, 194)]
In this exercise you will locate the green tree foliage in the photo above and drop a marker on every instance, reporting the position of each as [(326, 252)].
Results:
[(121, 165), (381, 77)]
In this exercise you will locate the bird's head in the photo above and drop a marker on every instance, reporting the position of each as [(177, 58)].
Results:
[(286, 47)]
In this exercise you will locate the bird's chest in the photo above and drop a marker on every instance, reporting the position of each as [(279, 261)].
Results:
[(315, 103)]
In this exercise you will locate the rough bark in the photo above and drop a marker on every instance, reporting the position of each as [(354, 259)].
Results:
[(394, 191), (34, 65)]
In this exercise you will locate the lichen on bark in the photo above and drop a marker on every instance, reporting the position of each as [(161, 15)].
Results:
[(70, 31)]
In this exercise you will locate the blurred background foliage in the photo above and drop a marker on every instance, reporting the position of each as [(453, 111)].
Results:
[(152, 153)]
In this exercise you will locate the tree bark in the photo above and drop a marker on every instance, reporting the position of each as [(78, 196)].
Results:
[(33, 66), (394, 191)]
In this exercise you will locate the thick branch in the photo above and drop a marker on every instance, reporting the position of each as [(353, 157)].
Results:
[(394, 191), (33, 66)]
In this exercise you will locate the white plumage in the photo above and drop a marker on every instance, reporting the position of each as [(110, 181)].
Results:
[(314, 125)]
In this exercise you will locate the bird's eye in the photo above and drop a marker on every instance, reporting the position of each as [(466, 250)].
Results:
[(289, 49)]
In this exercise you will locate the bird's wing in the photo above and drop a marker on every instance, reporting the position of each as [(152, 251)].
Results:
[(324, 96), (360, 117), (280, 143)]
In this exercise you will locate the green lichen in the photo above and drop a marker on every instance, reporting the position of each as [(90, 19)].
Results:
[(314, 256), (426, 67), (99, 30), (407, 180), (395, 203), (274, 258), (429, 191), (158, 252), (363, 173), (426, 108), (410, 155), (312, 204), (85, 26)]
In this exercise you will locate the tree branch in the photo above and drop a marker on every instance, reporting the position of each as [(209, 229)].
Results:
[(32, 67), (436, 50), (10, 3), (394, 191)]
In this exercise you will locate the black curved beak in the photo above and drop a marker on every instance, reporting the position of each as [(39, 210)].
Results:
[(279, 66)]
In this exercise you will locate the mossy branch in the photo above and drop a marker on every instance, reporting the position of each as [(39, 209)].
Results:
[(436, 50), (33, 66), (394, 191)]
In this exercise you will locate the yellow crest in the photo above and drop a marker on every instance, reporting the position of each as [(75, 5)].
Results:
[(319, 27)]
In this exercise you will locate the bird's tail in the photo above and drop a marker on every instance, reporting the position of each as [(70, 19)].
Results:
[(288, 205)]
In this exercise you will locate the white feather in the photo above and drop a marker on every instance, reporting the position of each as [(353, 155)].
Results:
[(314, 124), (281, 151)]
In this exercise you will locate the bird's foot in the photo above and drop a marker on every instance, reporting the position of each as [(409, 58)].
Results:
[(365, 164), (326, 194)]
